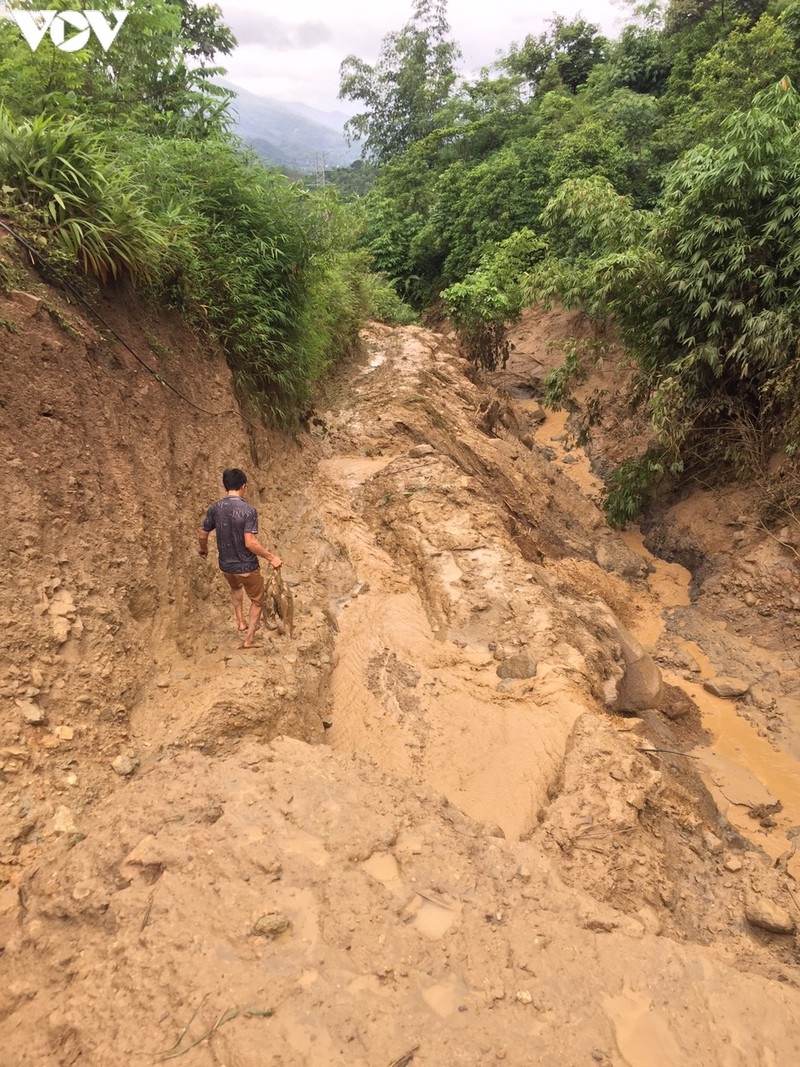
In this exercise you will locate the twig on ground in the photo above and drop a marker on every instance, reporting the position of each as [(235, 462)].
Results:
[(672, 751), (146, 917), (405, 1059)]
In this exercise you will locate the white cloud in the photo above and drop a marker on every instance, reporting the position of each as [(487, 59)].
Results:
[(293, 52)]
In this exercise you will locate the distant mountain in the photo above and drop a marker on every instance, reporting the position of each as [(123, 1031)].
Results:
[(293, 136), (334, 119)]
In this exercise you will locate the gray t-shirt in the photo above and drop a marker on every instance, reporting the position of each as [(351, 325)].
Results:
[(232, 518)]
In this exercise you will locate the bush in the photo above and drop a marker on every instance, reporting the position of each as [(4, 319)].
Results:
[(491, 298), (265, 263)]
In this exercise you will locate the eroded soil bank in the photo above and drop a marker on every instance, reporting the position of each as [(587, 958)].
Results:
[(417, 833)]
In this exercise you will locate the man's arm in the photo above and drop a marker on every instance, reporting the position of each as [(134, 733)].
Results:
[(203, 538), (251, 543)]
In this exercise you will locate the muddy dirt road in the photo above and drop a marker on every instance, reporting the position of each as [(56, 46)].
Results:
[(429, 830)]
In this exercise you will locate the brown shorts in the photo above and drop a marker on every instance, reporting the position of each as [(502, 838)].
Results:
[(252, 583)]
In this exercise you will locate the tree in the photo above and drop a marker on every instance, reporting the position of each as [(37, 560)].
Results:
[(408, 85), (565, 55), (157, 73), (705, 293)]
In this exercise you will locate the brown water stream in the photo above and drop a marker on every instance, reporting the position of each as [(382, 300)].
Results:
[(740, 767)]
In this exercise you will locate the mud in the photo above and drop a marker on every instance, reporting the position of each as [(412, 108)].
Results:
[(416, 832)]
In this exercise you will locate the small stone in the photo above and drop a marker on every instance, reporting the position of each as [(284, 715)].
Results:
[(63, 821), (31, 712), (270, 925), (420, 450), (65, 733), (733, 864), (726, 687), (522, 665), (712, 843), (767, 915), (124, 765), (750, 599), (524, 997)]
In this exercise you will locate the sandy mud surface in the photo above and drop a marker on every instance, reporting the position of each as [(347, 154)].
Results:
[(472, 813)]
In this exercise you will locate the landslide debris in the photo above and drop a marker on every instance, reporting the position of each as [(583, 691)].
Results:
[(486, 863)]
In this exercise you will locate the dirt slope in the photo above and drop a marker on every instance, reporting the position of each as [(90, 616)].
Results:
[(484, 863)]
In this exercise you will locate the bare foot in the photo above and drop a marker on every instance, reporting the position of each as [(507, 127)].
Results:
[(248, 644), (242, 629)]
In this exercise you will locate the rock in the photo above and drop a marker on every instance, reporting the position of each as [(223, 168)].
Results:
[(31, 712), (750, 599), (522, 665), (27, 302), (124, 765), (270, 925), (767, 915), (637, 798), (640, 687), (726, 687), (418, 451), (61, 629), (712, 843), (65, 733), (524, 997), (604, 557), (733, 864), (63, 821), (535, 413)]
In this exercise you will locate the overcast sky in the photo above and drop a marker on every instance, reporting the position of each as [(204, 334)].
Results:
[(292, 51)]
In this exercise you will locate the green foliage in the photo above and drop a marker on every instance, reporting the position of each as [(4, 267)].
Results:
[(632, 485), (559, 381), (269, 265), (355, 180), (406, 88), (157, 75), (384, 303), (705, 294), (640, 60), (491, 298), (563, 56), (88, 205), (597, 241), (749, 59)]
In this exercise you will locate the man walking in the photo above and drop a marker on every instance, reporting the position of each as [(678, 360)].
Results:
[(236, 526)]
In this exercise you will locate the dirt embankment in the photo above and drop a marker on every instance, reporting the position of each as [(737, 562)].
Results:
[(484, 863)]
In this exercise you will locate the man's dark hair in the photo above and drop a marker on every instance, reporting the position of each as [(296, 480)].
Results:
[(233, 478)]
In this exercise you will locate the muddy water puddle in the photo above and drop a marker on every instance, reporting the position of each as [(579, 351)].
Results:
[(741, 768)]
